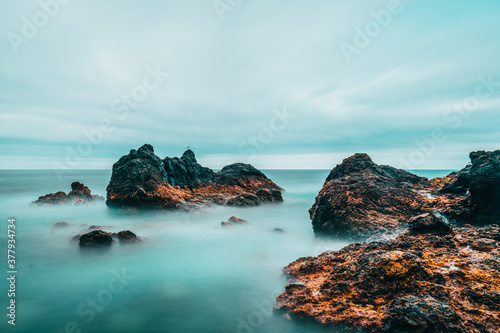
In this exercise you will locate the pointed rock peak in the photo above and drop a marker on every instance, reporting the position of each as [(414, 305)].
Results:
[(146, 149), (188, 156), (355, 163)]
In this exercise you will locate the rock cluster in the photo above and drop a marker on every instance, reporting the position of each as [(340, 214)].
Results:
[(429, 279), (360, 198), (100, 238), (142, 179), (79, 194)]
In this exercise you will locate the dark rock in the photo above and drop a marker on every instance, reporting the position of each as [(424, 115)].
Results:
[(186, 172), (429, 223), (244, 200), (142, 179), (279, 230), (127, 236), (473, 191), (61, 225), (226, 224), (236, 220), (79, 194), (96, 238), (420, 313), (360, 199)]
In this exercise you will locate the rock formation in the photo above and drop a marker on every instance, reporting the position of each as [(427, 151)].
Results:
[(142, 179), (79, 194), (100, 238), (360, 199), (432, 278)]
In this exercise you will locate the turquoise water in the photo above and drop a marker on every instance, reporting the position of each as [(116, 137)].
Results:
[(189, 275)]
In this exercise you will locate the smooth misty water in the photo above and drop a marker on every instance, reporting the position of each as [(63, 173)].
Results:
[(190, 275)]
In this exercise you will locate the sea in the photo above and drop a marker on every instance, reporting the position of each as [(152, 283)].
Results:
[(188, 274)]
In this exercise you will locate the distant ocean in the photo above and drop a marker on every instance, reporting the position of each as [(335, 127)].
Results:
[(190, 275)]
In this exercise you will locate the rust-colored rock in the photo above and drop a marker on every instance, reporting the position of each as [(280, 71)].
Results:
[(142, 179), (360, 199), (428, 279), (79, 194)]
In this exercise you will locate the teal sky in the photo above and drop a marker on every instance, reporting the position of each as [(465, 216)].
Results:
[(412, 94)]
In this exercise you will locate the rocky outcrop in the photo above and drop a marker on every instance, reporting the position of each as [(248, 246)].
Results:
[(79, 194), (360, 199), (432, 278), (470, 196), (100, 238), (142, 179)]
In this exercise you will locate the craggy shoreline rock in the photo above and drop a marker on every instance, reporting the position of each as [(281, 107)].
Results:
[(470, 196), (429, 279), (79, 194), (142, 179), (360, 199)]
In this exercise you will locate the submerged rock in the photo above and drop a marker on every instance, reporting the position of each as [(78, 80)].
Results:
[(360, 199), (429, 279), (79, 194), (142, 179), (61, 225), (99, 238), (127, 236), (237, 220), (96, 238)]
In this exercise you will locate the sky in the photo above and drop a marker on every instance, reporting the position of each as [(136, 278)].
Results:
[(290, 84)]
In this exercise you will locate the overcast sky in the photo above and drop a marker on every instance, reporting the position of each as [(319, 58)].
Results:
[(279, 84)]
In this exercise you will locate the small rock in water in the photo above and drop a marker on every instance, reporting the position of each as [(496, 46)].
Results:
[(127, 236), (99, 227), (236, 220), (61, 225), (96, 238), (226, 224), (278, 230)]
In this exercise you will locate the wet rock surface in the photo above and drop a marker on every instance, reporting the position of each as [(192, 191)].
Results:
[(79, 194), (431, 278), (360, 199), (142, 179)]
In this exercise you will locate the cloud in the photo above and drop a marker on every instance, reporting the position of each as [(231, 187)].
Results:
[(227, 78)]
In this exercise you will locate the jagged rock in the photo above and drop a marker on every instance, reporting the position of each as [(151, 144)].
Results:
[(96, 238), (425, 280), (471, 195), (79, 194), (360, 199), (226, 224), (142, 179)]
